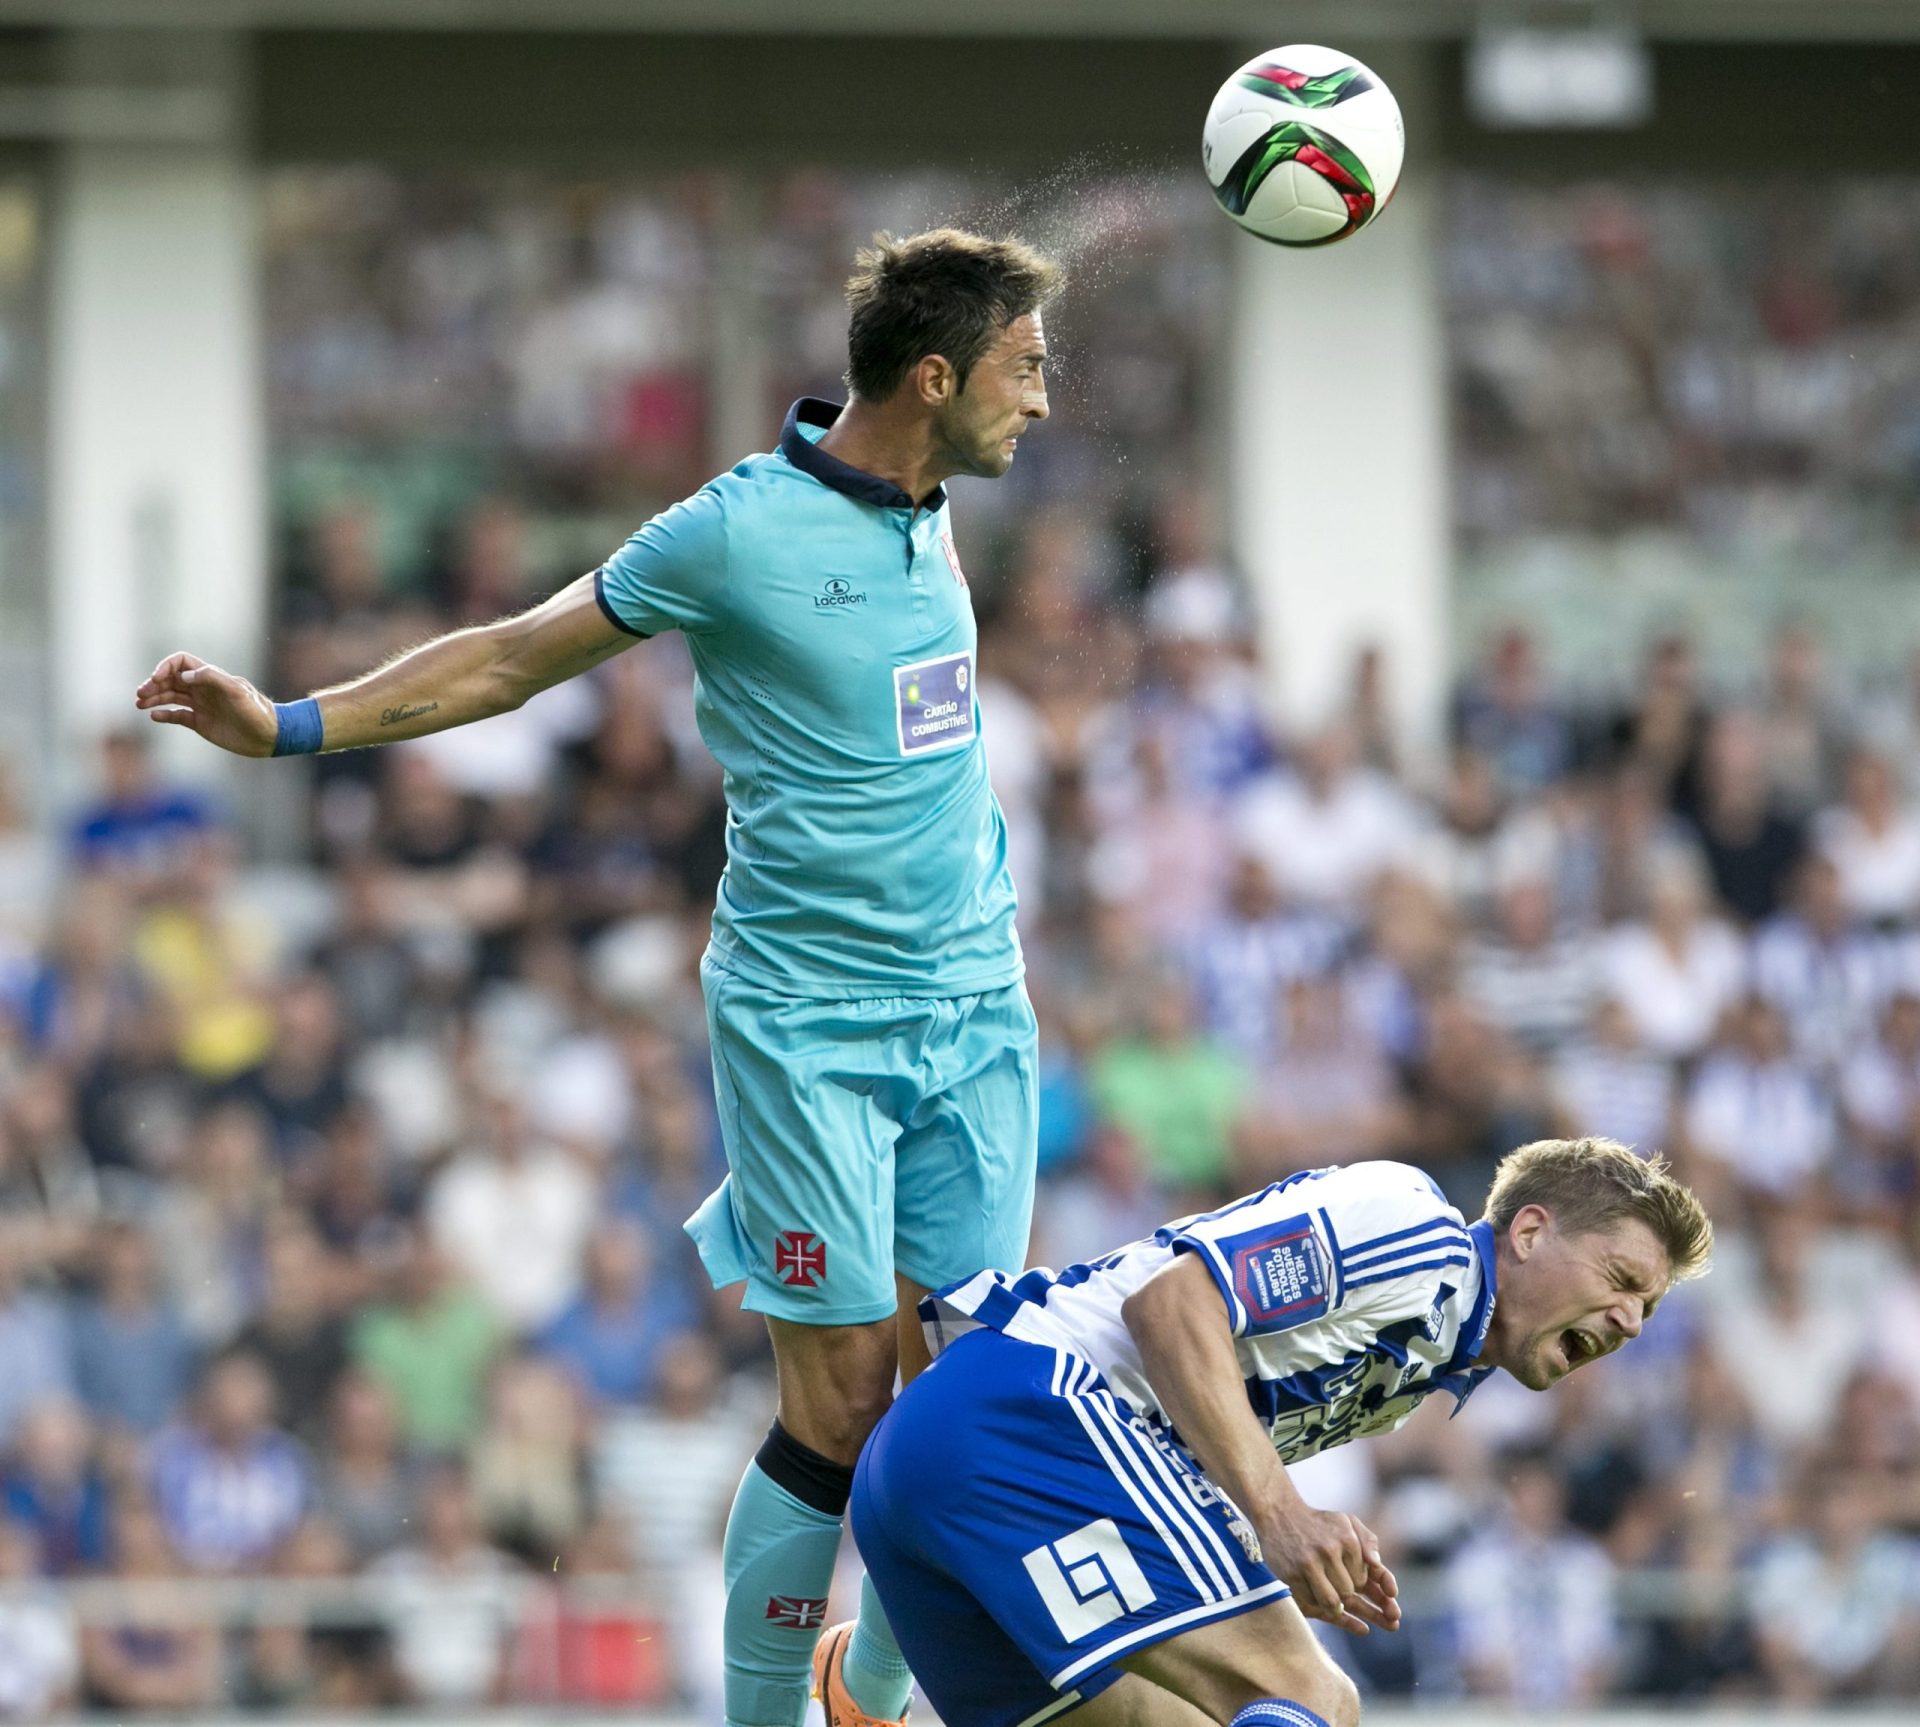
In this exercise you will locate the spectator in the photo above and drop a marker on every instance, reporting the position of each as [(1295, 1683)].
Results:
[(365, 1488), (1327, 828), (34, 1345), (136, 827), (1879, 1094), (1107, 1196), (28, 873), (49, 1195), (1610, 1085), (1826, 973), (528, 1467), (228, 1485), (1178, 1094), (210, 1226), (1873, 838), (1244, 958), (1327, 1095), (1155, 856), (1835, 1604), (429, 1346), (139, 1649), (207, 956), (1504, 715), (1679, 971), (132, 1357), (1756, 1115), (1200, 699), (1774, 1305), (53, 1489), (39, 1641), (449, 1601), (1533, 983), (302, 1084), (1802, 734), (1750, 844), (514, 1215), (1660, 734), (1533, 1601), (670, 1471), (610, 1337), (296, 1334)]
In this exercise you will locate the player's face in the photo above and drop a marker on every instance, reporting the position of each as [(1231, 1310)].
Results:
[(1565, 1300), (1006, 392)]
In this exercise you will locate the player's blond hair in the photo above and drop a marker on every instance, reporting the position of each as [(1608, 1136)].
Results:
[(1591, 1184)]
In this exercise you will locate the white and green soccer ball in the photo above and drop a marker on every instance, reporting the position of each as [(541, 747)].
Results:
[(1303, 146)]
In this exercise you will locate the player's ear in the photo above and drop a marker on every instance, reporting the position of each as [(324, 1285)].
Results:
[(1530, 1225), (934, 381)]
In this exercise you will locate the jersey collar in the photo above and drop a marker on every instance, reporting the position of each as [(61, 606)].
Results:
[(1460, 1376), (807, 420)]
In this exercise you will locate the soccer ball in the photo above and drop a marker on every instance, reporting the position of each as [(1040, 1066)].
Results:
[(1303, 146)]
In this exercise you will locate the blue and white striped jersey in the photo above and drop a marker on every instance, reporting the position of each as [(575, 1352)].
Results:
[(1352, 1293)]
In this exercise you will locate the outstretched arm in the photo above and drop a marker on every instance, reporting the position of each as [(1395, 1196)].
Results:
[(1330, 1560), (450, 681)]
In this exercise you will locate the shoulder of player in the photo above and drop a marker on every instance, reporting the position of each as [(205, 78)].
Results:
[(1385, 1220)]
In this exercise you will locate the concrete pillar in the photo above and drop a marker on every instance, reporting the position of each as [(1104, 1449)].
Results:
[(1339, 506), (156, 501)]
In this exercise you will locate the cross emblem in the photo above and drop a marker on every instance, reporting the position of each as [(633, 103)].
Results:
[(797, 1612), (800, 1258)]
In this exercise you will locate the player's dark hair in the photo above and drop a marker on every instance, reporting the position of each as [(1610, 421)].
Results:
[(944, 292), (1591, 1184)]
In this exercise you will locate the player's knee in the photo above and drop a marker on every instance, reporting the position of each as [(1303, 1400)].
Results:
[(1340, 1706), (835, 1384), (1320, 1685)]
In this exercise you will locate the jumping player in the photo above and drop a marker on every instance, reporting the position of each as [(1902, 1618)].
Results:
[(1084, 1505), (873, 1048)]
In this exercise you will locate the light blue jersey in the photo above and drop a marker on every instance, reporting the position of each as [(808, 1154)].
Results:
[(833, 645)]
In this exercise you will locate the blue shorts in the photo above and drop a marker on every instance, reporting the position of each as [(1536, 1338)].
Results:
[(1026, 1531), (865, 1138)]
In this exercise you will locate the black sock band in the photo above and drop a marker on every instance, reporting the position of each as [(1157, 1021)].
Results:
[(812, 1479)]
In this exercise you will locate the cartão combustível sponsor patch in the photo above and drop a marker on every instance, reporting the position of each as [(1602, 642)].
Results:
[(934, 704)]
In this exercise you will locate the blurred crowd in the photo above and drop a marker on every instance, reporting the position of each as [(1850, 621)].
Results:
[(1730, 361), (353, 1353), (340, 1201)]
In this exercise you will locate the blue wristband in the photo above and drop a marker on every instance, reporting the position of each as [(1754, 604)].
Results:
[(300, 730)]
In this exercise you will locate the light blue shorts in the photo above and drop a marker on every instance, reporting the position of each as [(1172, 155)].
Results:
[(866, 1138)]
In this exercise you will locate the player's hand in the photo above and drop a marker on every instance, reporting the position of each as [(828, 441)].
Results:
[(1331, 1562), (225, 710)]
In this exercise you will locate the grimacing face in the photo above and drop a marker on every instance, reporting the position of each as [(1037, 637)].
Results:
[(1565, 1300), (980, 425)]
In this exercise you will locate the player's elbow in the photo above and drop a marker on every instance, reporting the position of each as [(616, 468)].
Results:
[(515, 670), (1147, 1312)]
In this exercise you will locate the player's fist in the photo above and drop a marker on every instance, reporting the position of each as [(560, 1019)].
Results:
[(1331, 1562), (225, 710)]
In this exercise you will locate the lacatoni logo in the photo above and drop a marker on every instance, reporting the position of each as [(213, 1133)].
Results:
[(838, 592)]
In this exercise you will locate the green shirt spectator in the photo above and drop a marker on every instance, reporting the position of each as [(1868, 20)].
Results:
[(431, 1348), (1177, 1094)]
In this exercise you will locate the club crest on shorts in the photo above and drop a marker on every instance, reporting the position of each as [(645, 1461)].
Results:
[(800, 1258)]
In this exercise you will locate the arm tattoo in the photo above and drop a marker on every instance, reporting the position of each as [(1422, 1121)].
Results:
[(395, 716)]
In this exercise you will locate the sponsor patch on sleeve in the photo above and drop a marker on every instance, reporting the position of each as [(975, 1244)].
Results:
[(1280, 1275), (933, 700)]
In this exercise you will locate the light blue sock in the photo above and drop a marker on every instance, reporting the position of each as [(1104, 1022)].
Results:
[(1277, 1712), (876, 1672), (778, 1558)]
